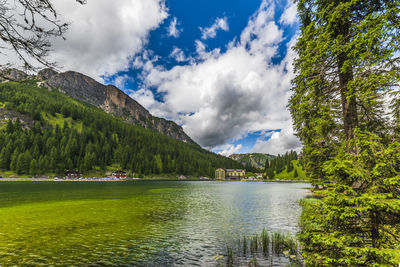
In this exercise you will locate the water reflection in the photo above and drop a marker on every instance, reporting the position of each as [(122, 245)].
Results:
[(138, 223)]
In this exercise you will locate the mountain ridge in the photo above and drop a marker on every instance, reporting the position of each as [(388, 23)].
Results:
[(106, 97)]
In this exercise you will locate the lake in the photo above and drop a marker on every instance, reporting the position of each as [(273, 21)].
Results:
[(141, 223)]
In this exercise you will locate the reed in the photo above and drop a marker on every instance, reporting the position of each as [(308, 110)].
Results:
[(266, 245), (244, 245), (229, 260), (278, 243), (265, 241), (253, 262), (254, 244)]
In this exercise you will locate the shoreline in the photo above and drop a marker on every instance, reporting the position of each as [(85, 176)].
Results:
[(103, 179)]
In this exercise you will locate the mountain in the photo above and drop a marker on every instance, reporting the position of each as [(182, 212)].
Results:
[(45, 132), (255, 160), (107, 97)]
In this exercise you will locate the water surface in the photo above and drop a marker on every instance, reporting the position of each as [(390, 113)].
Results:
[(138, 223)]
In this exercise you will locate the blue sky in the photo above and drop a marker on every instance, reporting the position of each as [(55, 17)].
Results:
[(220, 69), (190, 17)]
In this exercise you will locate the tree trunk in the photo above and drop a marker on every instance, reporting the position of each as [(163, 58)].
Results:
[(349, 106), (374, 217)]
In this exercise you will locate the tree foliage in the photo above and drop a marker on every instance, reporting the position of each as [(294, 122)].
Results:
[(27, 27), (280, 163), (347, 67)]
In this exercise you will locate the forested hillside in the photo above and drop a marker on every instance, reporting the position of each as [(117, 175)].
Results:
[(255, 161), (287, 166), (53, 132)]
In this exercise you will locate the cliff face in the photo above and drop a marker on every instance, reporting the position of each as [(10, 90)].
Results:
[(110, 99), (13, 75)]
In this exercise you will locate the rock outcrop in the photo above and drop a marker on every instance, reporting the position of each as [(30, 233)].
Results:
[(107, 97), (111, 100), (46, 74), (13, 75)]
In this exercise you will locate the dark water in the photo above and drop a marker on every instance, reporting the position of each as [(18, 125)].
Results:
[(138, 223)]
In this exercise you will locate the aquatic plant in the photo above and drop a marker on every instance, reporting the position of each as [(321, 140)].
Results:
[(254, 244), (244, 245), (229, 259), (265, 241), (266, 245), (253, 262)]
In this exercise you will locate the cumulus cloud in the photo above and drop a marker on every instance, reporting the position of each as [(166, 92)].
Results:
[(104, 36), (223, 96), (121, 80), (229, 149), (144, 97), (279, 143), (173, 29), (178, 55), (211, 32), (289, 16)]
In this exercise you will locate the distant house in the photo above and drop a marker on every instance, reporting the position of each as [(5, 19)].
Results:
[(72, 174), (220, 174), (259, 175), (231, 174), (119, 174)]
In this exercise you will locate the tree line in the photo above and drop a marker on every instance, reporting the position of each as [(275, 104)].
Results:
[(280, 163), (103, 140)]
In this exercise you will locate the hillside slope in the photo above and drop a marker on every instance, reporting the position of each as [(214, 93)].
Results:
[(255, 160), (107, 97), (284, 175), (52, 132)]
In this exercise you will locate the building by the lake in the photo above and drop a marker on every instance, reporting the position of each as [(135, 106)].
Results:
[(72, 174), (229, 174), (119, 174)]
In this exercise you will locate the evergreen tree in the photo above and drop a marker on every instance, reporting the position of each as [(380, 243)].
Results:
[(346, 65), (33, 167), (10, 127), (290, 166)]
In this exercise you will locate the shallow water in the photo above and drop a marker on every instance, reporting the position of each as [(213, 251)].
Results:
[(138, 223)]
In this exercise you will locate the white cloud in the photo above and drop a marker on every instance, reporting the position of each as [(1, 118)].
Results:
[(279, 143), (172, 29), (211, 32), (178, 55), (121, 80), (104, 36), (289, 16), (144, 97), (223, 96), (229, 149)]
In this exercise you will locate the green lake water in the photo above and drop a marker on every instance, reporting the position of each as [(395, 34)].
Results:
[(138, 223)]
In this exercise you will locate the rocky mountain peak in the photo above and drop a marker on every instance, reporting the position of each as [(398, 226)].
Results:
[(107, 97), (111, 100)]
